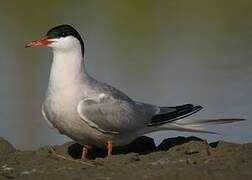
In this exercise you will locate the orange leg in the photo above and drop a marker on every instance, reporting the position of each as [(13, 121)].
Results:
[(110, 147), (84, 152)]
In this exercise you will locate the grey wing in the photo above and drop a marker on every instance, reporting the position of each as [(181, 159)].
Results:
[(148, 109), (151, 110), (160, 115), (110, 115)]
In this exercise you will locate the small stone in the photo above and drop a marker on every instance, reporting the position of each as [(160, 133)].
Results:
[(135, 158)]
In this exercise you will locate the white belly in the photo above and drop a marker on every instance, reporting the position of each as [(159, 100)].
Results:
[(61, 114)]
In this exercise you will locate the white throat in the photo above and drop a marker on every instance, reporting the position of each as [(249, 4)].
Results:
[(67, 68)]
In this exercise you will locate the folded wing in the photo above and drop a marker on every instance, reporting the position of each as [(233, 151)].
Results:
[(109, 115)]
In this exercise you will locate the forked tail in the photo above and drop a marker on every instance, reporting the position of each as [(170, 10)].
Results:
[(195, 125), (176, 120)]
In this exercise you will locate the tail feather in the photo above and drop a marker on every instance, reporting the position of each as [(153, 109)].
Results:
[(174, 118), (188, 125), (209, 121), (186, 128)]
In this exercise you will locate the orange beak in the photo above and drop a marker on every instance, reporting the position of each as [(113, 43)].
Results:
[(40, 42)]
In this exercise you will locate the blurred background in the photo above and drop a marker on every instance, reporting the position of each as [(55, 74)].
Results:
[(161, 52)]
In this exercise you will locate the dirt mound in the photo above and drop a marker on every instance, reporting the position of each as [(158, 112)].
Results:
[(174, 158)]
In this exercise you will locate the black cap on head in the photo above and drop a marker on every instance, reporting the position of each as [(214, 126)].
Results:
[(63, 31)]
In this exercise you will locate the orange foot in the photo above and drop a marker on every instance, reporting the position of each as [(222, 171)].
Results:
[(85, 152), (109, 147)]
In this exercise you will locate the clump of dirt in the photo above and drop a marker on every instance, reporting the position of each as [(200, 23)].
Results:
[(175, 158), (5, 147)]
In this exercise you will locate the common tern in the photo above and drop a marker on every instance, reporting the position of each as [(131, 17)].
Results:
[(94, 113)]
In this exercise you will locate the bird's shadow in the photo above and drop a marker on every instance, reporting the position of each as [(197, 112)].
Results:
[(142, 145)]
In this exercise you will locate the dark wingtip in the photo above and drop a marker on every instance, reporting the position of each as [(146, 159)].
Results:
[(233, 119), (181, 112), (239, 119), (198, 107)]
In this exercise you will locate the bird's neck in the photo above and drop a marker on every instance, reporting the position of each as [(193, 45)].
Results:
[(67, 69)]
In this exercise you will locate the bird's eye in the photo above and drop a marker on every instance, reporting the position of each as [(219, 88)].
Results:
[(63, 34)]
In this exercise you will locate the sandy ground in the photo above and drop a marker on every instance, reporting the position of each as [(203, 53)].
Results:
[(174, 158)]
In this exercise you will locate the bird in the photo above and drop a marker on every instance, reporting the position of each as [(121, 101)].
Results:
[(94, 113)]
